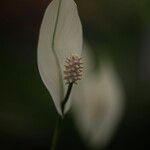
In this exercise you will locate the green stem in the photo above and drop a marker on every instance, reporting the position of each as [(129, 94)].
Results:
[(60, 119), (56, 133), (66, 98)]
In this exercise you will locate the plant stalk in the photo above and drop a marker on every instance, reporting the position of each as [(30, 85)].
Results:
[(56, 133), (66, 98), (60, 119)]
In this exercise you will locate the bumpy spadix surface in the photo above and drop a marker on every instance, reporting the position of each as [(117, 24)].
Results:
[(73, 69), (60, 37)]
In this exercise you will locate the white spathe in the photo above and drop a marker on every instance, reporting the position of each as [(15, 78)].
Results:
[(60, 37), (98, 105)]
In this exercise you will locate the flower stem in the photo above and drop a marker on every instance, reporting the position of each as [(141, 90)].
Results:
[(56, 133), (60, 119), (66, 98)]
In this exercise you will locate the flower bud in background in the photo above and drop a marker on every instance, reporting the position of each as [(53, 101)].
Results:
[(98, 103), (60, 38)]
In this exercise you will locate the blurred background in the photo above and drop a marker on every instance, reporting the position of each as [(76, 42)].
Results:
[(118, 28)]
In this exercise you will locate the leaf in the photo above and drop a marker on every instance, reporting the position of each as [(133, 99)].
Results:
[(60, 36)]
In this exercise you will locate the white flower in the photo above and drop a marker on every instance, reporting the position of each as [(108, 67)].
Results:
[(98, 104), (60, 38)]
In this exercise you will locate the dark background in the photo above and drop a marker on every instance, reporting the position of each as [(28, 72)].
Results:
[(118, 28)]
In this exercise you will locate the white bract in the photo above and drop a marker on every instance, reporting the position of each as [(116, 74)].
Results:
[(60, 38), (98, 104)]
